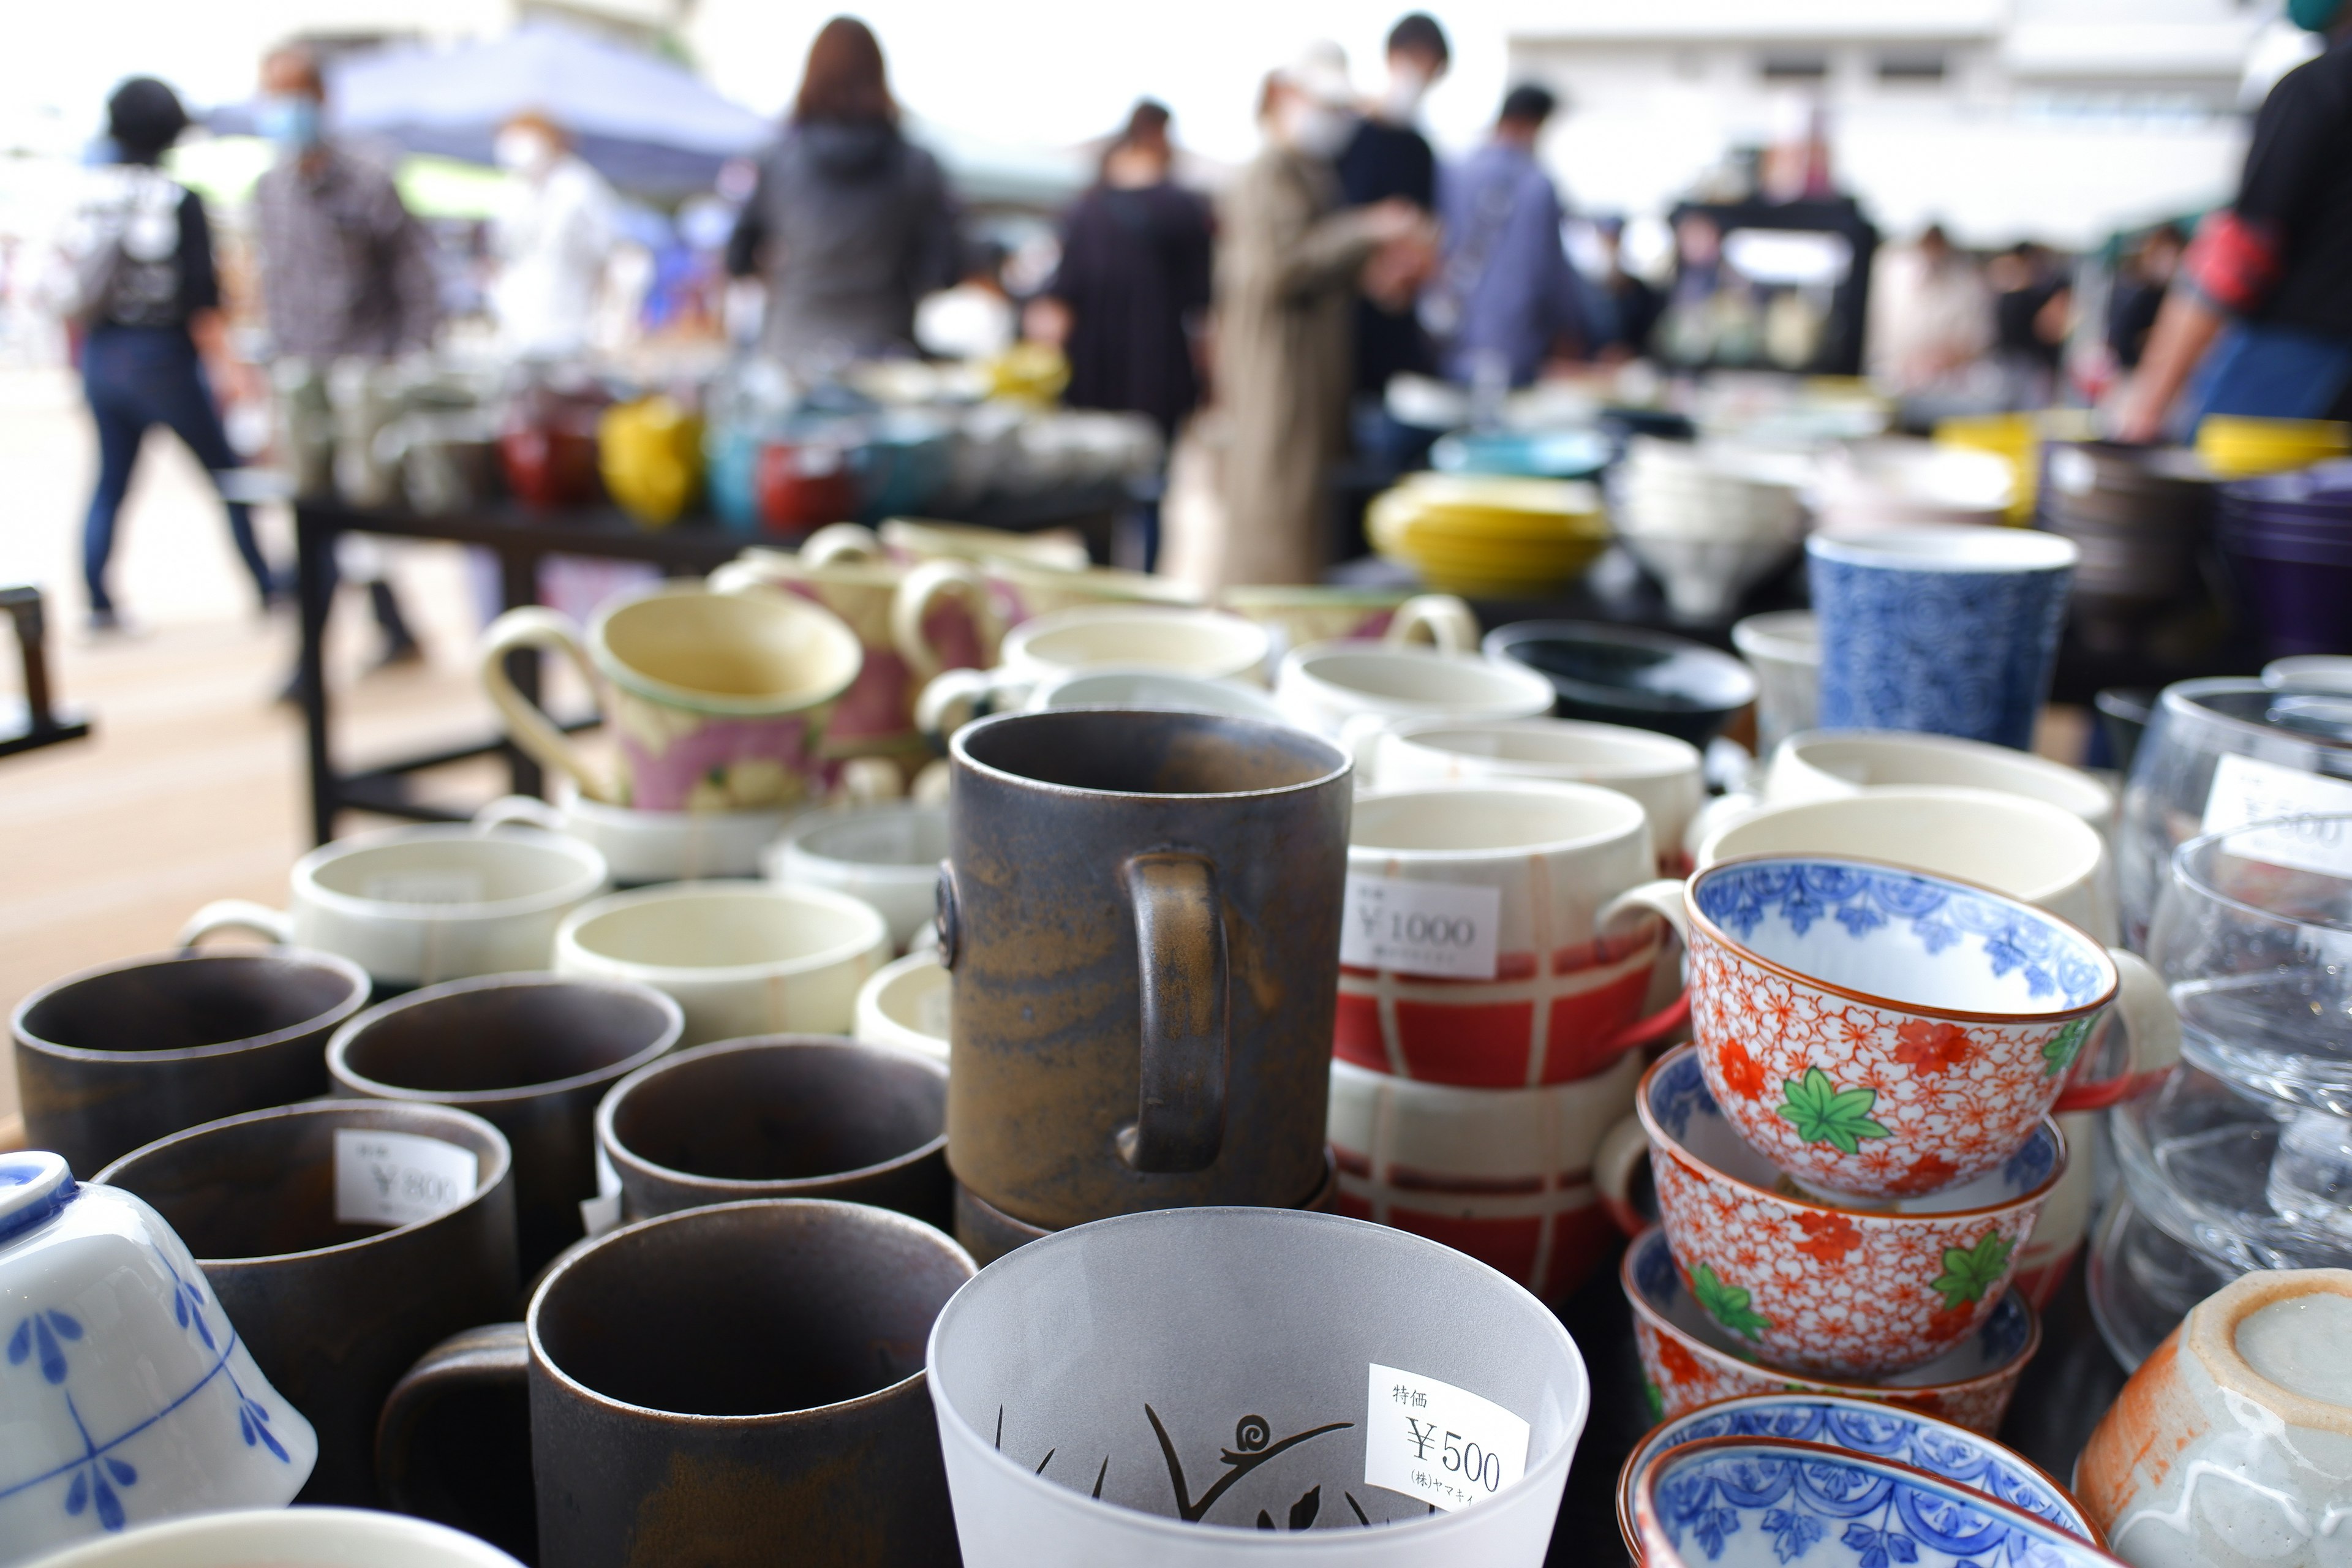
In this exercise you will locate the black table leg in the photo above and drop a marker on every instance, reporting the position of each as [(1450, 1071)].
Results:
[(519, 586), (314, 588)]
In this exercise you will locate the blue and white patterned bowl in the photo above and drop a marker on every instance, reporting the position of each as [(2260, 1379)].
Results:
[(1861, 1427), (1770, 1502)]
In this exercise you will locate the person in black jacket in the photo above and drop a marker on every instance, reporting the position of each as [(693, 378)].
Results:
[(1389, 157), (146, 250)]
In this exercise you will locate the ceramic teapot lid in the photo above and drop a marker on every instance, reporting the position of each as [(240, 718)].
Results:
[(33, 1185)]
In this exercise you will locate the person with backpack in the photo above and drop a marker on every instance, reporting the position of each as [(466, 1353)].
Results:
[(146, 302)]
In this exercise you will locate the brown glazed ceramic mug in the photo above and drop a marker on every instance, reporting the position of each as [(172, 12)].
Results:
[(117, 1056), (1141, 913), (740, 1385), (333, 1309), (780, 1116), (531, 1055)]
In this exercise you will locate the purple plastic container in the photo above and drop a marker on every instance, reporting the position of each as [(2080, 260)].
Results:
[(2288, 541)]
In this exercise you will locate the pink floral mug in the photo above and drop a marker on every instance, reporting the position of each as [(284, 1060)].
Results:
[(1880, 1032)]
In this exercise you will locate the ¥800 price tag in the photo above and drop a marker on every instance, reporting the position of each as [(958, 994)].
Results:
[(1420, 928), (398, 1178), (1438, 1442)]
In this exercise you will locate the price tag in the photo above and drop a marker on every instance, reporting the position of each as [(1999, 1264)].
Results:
[(398, 1178), (1438, 1442), (424, 888), (1420, 928), (2245, 791)]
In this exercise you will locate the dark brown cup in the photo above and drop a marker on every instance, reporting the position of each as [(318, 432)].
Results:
[(781, 1116), (120, 1056), (531, 1055), (740, 1385), (333, 1313)]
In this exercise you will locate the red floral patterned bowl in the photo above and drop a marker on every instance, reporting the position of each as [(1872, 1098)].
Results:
[(1687, 1360), (1810, 1285)]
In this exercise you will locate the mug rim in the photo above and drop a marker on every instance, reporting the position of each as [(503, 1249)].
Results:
[(333, 1017), (883, 981), (608, 1138), (1431, 1525), (1955, 1014), (793, 840), (1299, 663), (1017, 651), (869, 1213), (2058, 775), (591, 871), (486, 1180), (2182, 702), (1253, 701), (567, 935), (294, 1523), (1676, 1148), (1686, 758), (1949, 550), (339, 1066), (959, 755), (1555, 791), (2205, 890), (714, 704), (2048, 814)]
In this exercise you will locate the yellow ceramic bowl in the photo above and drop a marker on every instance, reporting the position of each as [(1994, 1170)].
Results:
[(1463, 551), (2236, 446)]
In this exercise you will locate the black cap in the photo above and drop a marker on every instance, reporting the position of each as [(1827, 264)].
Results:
[(144, 117), (1529, 104)]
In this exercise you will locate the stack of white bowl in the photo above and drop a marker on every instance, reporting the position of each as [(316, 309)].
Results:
[(1709, 520), (1895, 483)]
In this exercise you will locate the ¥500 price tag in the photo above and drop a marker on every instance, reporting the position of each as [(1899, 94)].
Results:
[(1438, 1442), (398, 1178), (1420, 928), (2245, 791)]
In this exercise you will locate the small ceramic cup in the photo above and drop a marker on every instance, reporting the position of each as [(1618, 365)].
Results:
[(886, 856), (1881, 1033), (787, 1116), (415, 906), (642, 848), (2232, 1445), (1504, 1175), (1208, 645), (1784, 648), (1688, 1362), (721, 700), (1487, 942), (906, 1004), (345, 1537), (1857, 1292), (119, 1056), (125, 1394), (1351, 692), (1119, 686), (1659, 771), (1838, 764), (741, 958), (1761, 1502), (1311, 613), (1861, 1427)]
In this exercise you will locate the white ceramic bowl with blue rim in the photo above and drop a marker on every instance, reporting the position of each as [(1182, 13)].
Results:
[(1861, 1426), (125, 1393), (1768, 1502)]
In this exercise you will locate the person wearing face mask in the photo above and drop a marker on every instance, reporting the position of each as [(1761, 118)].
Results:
[(1290, 259), (2258, 319), (552, 239), (1388, 157)]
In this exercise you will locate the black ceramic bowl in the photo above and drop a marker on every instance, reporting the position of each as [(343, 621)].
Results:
[(1618, 675)]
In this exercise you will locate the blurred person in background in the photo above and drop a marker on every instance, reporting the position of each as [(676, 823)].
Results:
[(850, 223), (2139, 290), (1387, 159), (2032, 297), (1931, 319), (1132, 287), (147, 300), (976, 319), (552, 239), (1291, 256), (1507, 298), (1634, 304), (346, 271), (2259, 322)]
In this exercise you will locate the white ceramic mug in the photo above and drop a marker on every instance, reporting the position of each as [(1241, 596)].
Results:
[(886, 856), (415, 906), (1350, 691), (1835, 764), (1659, 771), (1481, 943), (294, 1537), (1208, 644), (741, 958), (905, 1004), (1121, 687), (646, 846), (1784, 648)]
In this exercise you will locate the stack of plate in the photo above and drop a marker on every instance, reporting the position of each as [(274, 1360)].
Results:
[(2288, 540), (2142, 518), (1708, 521), (1490, 537), (1897, 483), (2239, 448)]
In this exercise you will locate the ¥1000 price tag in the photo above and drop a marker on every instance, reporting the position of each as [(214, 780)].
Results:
[(1420, 928), (1438, 1442), (398, 1178)]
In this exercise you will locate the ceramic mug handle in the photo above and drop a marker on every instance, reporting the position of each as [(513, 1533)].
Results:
[(2151, 1028), (1618, 1155), (1446, 619), (842, 542), (869, 781), (275, 926), (527, 810), (1179, 940), (535, 627), (911, 606), (951, 699), (1663, 897), (494, 1358)]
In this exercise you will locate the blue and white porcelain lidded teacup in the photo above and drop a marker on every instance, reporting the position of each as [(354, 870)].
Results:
[(125, 1394)]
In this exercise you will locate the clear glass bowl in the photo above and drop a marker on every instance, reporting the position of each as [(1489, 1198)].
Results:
[(2142, 1282), (2244, 1180)]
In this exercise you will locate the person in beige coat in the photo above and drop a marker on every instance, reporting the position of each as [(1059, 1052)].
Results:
[(1290, 261)]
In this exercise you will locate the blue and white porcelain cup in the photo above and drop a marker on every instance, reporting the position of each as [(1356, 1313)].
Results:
[(125, 1393), (1953, 630)]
